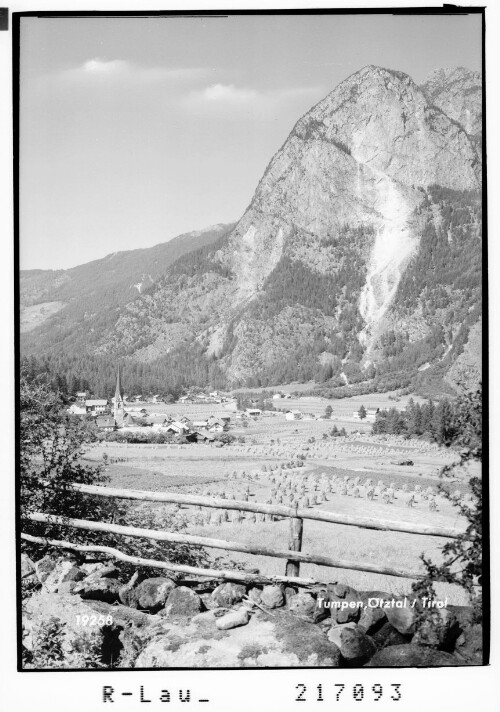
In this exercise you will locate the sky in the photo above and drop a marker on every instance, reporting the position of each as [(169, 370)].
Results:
[(136, 130)]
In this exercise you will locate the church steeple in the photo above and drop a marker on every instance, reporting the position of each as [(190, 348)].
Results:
[(118, 391), (118, 410)]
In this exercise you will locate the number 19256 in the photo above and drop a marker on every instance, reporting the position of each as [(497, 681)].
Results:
[(358, 693), (94, 620)]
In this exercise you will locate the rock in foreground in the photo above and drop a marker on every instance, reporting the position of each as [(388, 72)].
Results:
[(412, 656)]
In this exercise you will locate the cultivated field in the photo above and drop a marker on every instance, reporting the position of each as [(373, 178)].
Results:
[(256, 467)]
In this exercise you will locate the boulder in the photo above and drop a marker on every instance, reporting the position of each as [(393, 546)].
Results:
[(27, 566), (233, 619), (43, 567), (372, 619), (308, 608), (335, 631), (343, 602), (254, 594), (151, 594), (63, 572), (182, 603), (272, 597), (280, 640), (402, 616), (412, 656), (355, 646), (469, 645), (372, 616), (228, 594), (99, 566), (29, 579), (67, 587), (289, 593), (208, 617), (98, 588), (387, 635), (103, 570)]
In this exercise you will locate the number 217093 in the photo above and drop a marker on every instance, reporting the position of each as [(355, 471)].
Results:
[(339, 692)]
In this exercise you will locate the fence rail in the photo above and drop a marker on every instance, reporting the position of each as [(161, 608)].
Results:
[(293, 555), (275, 509), (213, 574)]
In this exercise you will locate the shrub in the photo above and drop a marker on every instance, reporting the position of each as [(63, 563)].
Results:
[(462, 557)]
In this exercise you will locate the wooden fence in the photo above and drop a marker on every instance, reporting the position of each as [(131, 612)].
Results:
[(294, 555)]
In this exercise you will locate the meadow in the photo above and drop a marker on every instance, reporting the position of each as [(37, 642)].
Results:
[(273, 443)]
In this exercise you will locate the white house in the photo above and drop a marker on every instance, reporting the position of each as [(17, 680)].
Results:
[(96, 407), (216, 428), (253, 412), (293, 415), (176, 427), (371, 414), (106, 423), (277, 396), (77, 409)]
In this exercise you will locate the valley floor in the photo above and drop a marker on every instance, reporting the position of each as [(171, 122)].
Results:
[(272, 441)]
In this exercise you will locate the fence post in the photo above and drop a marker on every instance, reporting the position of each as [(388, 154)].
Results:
[(294, 543)]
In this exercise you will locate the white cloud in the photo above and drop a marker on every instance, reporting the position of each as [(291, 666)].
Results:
[(119, 70), (231, 101), (104, 66), (228, 93)]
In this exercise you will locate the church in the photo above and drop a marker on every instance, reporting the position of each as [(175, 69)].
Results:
[(119, 417)]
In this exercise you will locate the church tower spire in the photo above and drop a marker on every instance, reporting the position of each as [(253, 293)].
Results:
[(118, 410)]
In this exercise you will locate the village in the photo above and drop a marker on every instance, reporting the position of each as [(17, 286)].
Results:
[(207, 416)]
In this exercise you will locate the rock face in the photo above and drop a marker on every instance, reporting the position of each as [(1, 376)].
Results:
[(457, 92)]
